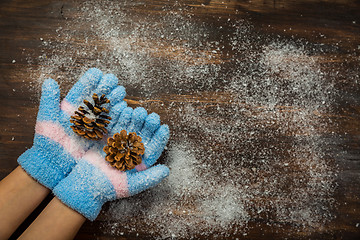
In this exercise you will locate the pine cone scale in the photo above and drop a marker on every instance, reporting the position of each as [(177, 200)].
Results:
[(91, 123)]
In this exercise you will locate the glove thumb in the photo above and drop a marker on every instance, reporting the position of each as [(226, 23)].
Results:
[(50, 101), (140, 181)]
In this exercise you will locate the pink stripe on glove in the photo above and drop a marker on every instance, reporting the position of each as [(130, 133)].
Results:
[(116, 177), (141, 167), (56, 133), (67, 107)]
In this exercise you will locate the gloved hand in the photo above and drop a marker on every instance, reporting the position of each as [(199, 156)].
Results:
[(56, 148), (154, 137), (93, 181)]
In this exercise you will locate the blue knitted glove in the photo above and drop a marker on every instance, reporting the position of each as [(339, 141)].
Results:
[(56, 148), (154, 137), (93, 181)]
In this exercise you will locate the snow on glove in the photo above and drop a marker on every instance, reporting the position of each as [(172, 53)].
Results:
[(93, 181), (56, 148)]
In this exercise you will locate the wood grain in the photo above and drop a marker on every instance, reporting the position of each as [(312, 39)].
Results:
[(330, 27)]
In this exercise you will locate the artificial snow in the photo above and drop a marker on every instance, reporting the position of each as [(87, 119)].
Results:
[(245, 111)]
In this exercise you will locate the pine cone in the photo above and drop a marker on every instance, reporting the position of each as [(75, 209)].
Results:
[(92, 122), (124, 151)]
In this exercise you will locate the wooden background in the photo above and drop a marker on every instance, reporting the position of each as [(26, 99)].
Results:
[(23, 23)]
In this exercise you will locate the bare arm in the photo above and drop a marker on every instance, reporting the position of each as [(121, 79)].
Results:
[(20, 195), (56, 221)]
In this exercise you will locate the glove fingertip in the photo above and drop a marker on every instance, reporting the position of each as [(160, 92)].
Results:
[(82, 88), (154, 116), (139, 113), (161, 136), (117, 95), (91, 76), (122, 90), (152, 122), (111, 78), (94, 71), (164, 130), (162, 171), (50, 85)]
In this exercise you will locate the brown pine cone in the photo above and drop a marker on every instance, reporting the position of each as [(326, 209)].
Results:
[(124, 151), (91, 123)]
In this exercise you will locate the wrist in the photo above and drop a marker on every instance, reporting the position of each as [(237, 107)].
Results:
[(57, 221), (20, 195), (85, 190), (46, 163)]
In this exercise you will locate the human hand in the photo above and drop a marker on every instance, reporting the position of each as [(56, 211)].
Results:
[(154, 135), (93, 181), (56, 147)]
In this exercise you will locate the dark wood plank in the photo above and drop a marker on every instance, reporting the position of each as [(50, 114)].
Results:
[(182, 75)]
